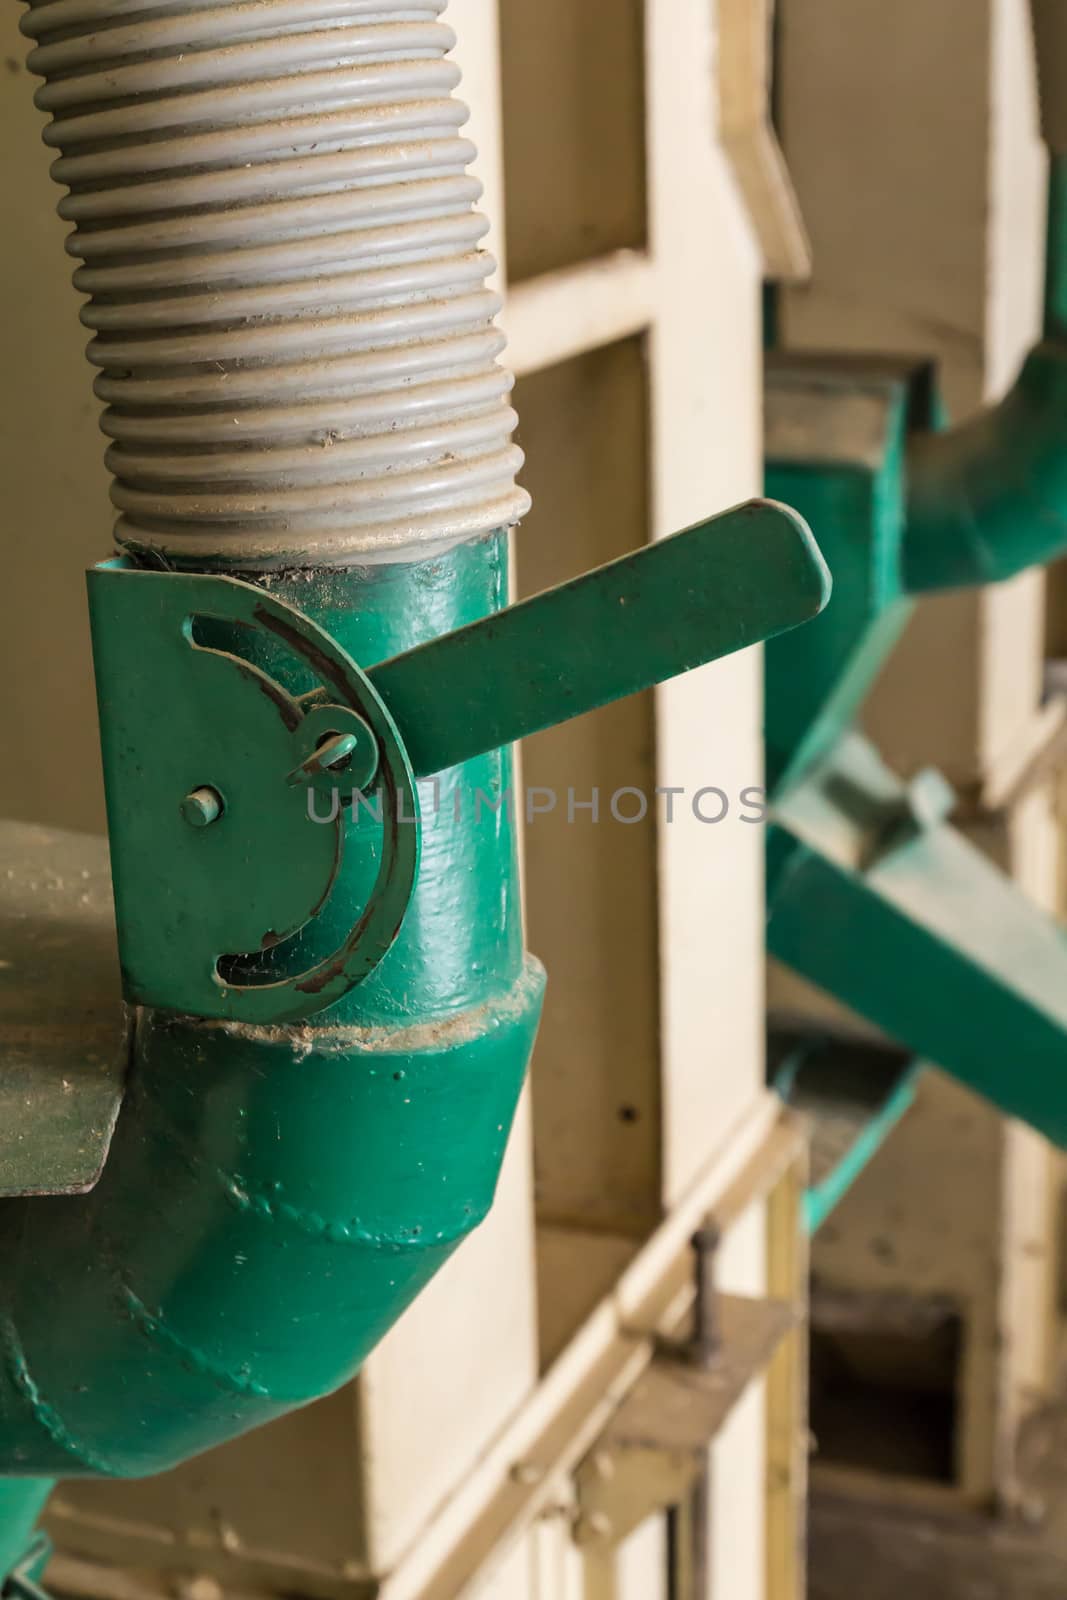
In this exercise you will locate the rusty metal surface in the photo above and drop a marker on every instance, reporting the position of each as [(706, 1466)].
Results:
[(655, 1447), (679, 1407), (62, 1050)]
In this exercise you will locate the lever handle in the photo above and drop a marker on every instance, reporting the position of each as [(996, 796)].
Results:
[(206, 755), (716, 588)]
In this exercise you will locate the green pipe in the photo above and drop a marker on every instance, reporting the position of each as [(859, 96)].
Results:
[(988, 499), (274, 1198), (852, 1092), (821, 1200)]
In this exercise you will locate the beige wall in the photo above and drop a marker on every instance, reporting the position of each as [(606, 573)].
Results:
[(57, 518)]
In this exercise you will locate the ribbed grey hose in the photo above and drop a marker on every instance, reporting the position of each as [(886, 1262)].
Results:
[(287, 291)]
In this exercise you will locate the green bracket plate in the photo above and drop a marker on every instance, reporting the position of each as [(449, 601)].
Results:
[(207, 756), (214, 855), (63, 1048)]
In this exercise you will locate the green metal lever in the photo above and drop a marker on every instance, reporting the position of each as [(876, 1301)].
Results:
[(208, 759), (716, 588)]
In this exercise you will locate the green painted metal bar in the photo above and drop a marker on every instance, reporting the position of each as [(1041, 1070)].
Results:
[(821, 1200), (854, 1090), (733, 581), (915, 930)]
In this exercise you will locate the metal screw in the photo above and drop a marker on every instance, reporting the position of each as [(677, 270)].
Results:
[(353, 753), (706, 1344), (202, 807), (592, 1528), (334, 751)]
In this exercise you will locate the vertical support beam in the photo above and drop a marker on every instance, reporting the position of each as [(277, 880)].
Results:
[(1029, 1278), (704, 363), (787, 1396), (705, 366), (736, 1505)]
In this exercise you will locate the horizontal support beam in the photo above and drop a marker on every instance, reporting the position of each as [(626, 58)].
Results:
[(565, 314)]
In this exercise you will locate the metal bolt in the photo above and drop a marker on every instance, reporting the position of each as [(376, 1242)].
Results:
[(706, 1344), (353, 753), (592, 1527), (334, 751), (202, 807)]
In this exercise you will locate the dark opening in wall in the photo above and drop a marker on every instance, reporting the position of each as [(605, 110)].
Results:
[(884, 1382)]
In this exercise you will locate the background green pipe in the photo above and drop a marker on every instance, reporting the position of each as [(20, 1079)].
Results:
[(989, 499), (274, 1198)]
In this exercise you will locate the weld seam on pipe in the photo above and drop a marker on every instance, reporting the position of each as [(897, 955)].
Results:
[(45, 1415), (158, 1333), (288, 294), (269, 1209)]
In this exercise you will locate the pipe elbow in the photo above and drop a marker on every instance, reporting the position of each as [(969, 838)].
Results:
[(271, 1205), (987, 500)]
